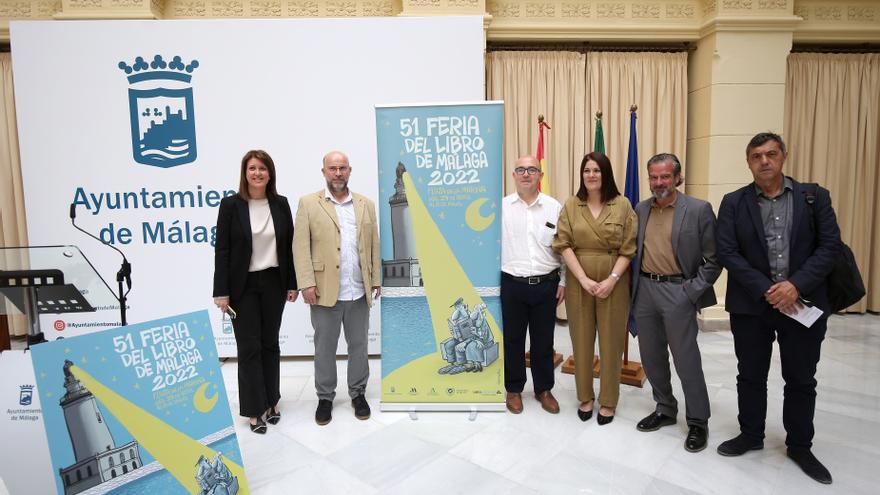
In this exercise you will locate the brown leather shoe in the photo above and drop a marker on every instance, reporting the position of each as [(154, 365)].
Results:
[(514, 402), (548, 402)]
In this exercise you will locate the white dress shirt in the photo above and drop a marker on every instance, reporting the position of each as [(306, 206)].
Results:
[(527, 232), (351, 280)]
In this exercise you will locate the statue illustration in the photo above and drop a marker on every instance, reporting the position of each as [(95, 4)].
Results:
[(214, 477), (472, 345)]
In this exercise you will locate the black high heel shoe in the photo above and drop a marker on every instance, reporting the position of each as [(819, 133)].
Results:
[(585, 415), (259, 427), (273, 417)]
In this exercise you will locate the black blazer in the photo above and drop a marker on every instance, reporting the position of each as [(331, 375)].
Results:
[(742, 248), (234, 245)]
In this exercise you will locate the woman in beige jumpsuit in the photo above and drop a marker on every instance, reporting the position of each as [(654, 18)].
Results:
[(596, 237)]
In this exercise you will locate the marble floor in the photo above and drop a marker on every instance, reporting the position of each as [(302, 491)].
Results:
[(536, 452)]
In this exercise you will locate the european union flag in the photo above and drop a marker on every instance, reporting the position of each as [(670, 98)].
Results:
[(631, 191), (631, 187)]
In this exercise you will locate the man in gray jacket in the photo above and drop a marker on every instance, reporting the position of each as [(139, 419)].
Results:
[(673, 273)]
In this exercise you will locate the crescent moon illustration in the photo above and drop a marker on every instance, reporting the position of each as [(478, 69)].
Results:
[(202, 403), (474, 219)]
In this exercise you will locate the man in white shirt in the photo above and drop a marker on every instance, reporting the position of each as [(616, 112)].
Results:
[(531, 285), (336, 250)]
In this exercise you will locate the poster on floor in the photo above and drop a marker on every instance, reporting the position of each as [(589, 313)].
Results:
[(24, 439), (139, 409), (440, 175)]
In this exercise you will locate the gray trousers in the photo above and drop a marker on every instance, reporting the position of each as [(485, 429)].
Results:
[(666, 318), (354, 317)]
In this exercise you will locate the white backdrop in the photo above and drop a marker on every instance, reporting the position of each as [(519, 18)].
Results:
[(296, 88)]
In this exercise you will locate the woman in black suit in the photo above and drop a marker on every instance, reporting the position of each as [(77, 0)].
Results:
[(253, 276)]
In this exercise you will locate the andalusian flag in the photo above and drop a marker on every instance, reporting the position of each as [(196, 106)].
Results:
[(544, 186), (599, 139)]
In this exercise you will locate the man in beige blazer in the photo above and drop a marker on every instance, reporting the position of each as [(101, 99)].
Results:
[(336, 255)]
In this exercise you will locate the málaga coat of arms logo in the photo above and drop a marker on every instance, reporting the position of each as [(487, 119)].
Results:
[(160, 98)]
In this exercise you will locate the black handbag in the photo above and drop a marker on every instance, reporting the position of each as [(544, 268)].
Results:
[(845, 284)]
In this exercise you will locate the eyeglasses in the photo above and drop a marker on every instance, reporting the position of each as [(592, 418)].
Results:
[(524, 170)]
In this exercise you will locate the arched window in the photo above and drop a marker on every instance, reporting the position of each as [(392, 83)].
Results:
[(79, 475), (134, 465), (112, 462), (112, 473), (122, 457), (131, 453), (124, 469), (89, 471), (67, 479)]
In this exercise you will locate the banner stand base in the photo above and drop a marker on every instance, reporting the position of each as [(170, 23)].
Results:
[(414, 408)]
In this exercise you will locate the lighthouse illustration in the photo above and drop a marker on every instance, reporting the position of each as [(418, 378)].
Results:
[(403, 270), (98, 459)]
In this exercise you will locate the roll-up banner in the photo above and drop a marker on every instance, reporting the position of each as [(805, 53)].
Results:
[(440, 175)]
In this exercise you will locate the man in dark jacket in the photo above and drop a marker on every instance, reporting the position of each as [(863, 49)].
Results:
[(778, 251)]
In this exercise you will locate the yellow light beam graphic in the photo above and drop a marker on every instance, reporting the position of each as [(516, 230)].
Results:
[(445, 279), (177, 452)]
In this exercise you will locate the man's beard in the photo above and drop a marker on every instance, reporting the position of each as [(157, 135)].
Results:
[(661, 194), (337, 186)]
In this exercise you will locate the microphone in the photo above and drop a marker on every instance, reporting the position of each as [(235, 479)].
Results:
[(125, 270)]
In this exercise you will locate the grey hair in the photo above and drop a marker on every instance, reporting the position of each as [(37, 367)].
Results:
[(663, 157)]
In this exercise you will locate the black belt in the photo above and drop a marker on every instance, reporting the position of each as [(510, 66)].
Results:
[(676, 279), (554, 275)]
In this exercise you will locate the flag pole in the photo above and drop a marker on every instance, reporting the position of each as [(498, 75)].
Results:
[(544, 187), (632, 109), (632, 372)]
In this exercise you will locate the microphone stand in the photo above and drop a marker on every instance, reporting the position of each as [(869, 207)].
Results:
[(123, 275)]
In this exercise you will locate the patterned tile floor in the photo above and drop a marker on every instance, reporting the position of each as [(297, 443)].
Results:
[(536, 452)]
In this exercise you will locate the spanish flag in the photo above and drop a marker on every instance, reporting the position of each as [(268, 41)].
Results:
[(544, 186)]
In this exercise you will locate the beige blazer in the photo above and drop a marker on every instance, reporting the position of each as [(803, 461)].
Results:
[(316, 241)]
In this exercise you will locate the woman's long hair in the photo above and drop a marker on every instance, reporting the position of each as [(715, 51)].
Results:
[(264, 157), (608, 190)]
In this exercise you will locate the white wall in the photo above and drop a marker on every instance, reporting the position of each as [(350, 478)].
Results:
[(296, 88)]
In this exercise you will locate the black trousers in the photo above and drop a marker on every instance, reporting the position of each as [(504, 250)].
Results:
[(799, 349), (256, 327), (529, 308)]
